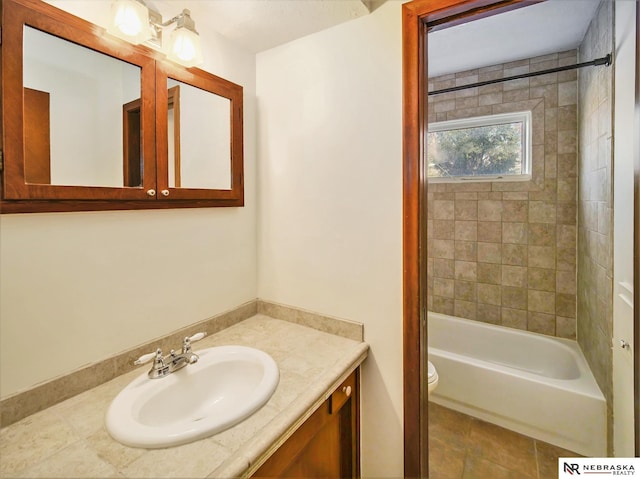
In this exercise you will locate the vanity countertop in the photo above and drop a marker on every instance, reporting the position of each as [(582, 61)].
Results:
[(70, 439)]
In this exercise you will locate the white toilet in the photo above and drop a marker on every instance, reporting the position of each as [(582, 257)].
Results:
[(432, 377)]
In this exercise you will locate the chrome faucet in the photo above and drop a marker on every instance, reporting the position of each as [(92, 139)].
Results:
[(165, 365)]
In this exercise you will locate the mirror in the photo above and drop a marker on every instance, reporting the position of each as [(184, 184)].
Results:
[(200, 146), (199, 135), (131, 134), (92, 122), (73, 113)]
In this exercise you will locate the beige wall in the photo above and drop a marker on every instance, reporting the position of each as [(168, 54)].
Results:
[(80, 287), (330, 199), (505, 252), (595, 296)]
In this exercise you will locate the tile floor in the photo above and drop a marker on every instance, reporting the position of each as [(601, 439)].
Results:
[(462, 447)]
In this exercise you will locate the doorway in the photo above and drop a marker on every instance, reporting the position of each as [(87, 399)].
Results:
[(418, 18)]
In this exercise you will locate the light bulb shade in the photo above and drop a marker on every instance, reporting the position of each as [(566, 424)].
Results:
[(185, 47), (130, 21)]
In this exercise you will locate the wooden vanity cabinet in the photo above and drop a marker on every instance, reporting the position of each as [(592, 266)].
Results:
[(327, 444)]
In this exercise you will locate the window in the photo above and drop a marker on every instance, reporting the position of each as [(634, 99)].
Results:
[(489, 148)]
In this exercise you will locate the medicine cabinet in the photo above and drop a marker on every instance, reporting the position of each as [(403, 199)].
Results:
[(90, 122)]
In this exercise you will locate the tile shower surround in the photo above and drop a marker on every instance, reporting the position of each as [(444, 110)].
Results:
[(595, 231), (505, 252)]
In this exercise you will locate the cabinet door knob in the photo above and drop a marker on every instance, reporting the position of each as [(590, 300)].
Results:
[(347, 390), (165, 192), (151, 192)]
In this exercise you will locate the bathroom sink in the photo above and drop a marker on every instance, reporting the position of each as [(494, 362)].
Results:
[(227, 385)]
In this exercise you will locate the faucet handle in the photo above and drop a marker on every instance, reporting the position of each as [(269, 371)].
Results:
[(157, 354), (196, 337), (186, 345)]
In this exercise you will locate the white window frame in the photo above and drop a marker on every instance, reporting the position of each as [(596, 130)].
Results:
[(490, 120)]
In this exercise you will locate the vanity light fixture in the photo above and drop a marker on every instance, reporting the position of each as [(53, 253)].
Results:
[(130, 21), (133, 21), (184, 44)]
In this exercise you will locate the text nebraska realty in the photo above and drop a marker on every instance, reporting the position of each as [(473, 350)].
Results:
[(613, 469)]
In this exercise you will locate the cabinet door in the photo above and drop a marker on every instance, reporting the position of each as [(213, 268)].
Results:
[(327, 444), (81, 129), (200, 136), (322, 455), (62, 95)]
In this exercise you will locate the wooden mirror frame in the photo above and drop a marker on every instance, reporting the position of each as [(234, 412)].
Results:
[(213, 84), (131, 135), (16, 14), (19, 196)]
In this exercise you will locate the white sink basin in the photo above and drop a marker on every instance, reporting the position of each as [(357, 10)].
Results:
[(227, 385)]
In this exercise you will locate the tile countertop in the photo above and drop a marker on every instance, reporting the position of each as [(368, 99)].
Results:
[(70, 439)]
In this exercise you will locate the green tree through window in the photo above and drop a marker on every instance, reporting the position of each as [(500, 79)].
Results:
[(484, 150)]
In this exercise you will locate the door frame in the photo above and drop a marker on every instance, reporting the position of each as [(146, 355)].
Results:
[(417, 17), (636, 248)]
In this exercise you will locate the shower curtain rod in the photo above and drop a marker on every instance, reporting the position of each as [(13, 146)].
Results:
[(599, 61)]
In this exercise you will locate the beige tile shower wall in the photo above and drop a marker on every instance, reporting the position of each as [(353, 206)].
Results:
[(595, 297), (505, 252)]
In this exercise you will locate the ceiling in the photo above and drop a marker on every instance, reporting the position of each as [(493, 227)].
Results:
[(539, 29), (259, 25)]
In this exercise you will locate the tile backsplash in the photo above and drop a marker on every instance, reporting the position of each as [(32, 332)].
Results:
[(505, 252)]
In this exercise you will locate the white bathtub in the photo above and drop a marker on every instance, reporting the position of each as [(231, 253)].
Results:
[(530, 383)]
